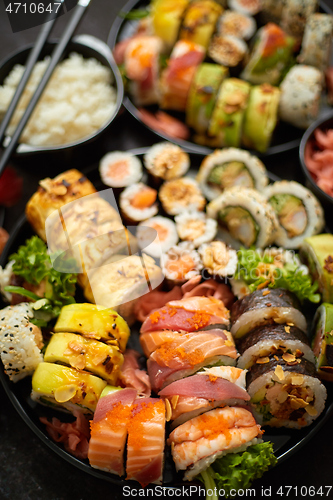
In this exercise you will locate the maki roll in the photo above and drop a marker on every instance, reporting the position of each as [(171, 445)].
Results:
[(141, 66), (165, 235), (271, 55), (225, 128), (20, 341), (176, 78), (166, 18), (214, 387), (181, 194), (236, 24), (202, 96), (317, 253), (138, 202), (280, 341), (317, 41), (248, 7), (299, 212), (181, 263), (230, 167), (166, 161), (227, 50), (218, 260), (245, 217), (120, 169), (295, 14), (300, 95), (195, 227), (286, 394), (65, 388), (322, 342), (265, 307), (199, 22), (260, 117)]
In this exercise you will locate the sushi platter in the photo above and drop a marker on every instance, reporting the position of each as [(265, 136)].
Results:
[(286, 135)]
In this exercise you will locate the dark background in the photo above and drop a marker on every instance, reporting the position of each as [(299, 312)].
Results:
[(28, 469)]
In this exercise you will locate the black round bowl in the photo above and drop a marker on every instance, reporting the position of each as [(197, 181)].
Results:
[(324, 123), (89, 47)]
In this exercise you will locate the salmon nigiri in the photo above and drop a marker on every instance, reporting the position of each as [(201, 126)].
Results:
[(145, 445), (109, 430)]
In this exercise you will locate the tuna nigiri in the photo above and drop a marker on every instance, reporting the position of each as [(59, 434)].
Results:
[(145, 446)]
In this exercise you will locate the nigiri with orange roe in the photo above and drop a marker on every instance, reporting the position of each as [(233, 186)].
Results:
[(138, 202), (120, 169), (181, 263)]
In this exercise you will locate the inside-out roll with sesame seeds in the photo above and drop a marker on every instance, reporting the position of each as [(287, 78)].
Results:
[(280, 341), (195, 227), (285, 394), (165, 237), (138, 202), (181, 194), (299, 213), (20, 341), (166, 161), (181, 263), (120, 169), (229, 167), (317, 41)]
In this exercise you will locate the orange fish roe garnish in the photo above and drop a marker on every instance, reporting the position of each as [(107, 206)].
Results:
[(214, 425), (199, 319), (212, 378), (116, 418), (154, 317), (140, 414), (169, 351)]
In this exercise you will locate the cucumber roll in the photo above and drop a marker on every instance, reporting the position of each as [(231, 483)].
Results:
[(225, 128), (166, 17), (300, 95), (317, 252), (286, 394), (66, 388), (200, 21), (260, 117), (317, 41), (299, 212), (294, 16), (236, 24), (245, 217), (322, 342), (230, 167), (280, 341), (202, 96), (271, 55), (265, 307)]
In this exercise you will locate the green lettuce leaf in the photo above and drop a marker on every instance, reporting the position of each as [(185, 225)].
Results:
[(237, 471), (290, 276)]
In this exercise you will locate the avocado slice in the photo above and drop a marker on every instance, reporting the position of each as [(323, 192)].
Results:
[(291, 213), (317, 253), (322, 342), (240, 224)]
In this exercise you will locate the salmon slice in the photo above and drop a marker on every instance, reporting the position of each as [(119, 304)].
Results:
[(109, 431), (152, 340), (145, 445)]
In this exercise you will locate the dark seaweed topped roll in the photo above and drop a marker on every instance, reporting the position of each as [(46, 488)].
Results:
[(286, 393), (266, 306)]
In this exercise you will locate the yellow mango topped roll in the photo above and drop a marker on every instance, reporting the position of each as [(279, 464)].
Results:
[(167, 16), (59, 386), (85, 354), (94, 322)]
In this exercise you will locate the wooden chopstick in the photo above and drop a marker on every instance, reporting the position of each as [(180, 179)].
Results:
[(30, 64), (55, 58)]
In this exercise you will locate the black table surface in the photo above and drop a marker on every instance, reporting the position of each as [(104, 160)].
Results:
[(28, 469)]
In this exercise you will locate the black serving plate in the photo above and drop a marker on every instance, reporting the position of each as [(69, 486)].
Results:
[(285, 441), (285, 137)]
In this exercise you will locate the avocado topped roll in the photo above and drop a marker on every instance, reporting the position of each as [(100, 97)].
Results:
[(317, 41), (200, 21), (265, 307), (317, 253), (260, 117), (225, 128), (245, 217), (322, 342), (271, 55), (299, 212), (166, 17), (202, 96), (230, 167)]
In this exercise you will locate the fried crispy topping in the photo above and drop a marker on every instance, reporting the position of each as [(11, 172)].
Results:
[(168, 410), (279, 372), (263, 360)]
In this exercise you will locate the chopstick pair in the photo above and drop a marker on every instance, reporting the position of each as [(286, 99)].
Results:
[(32, 59)]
